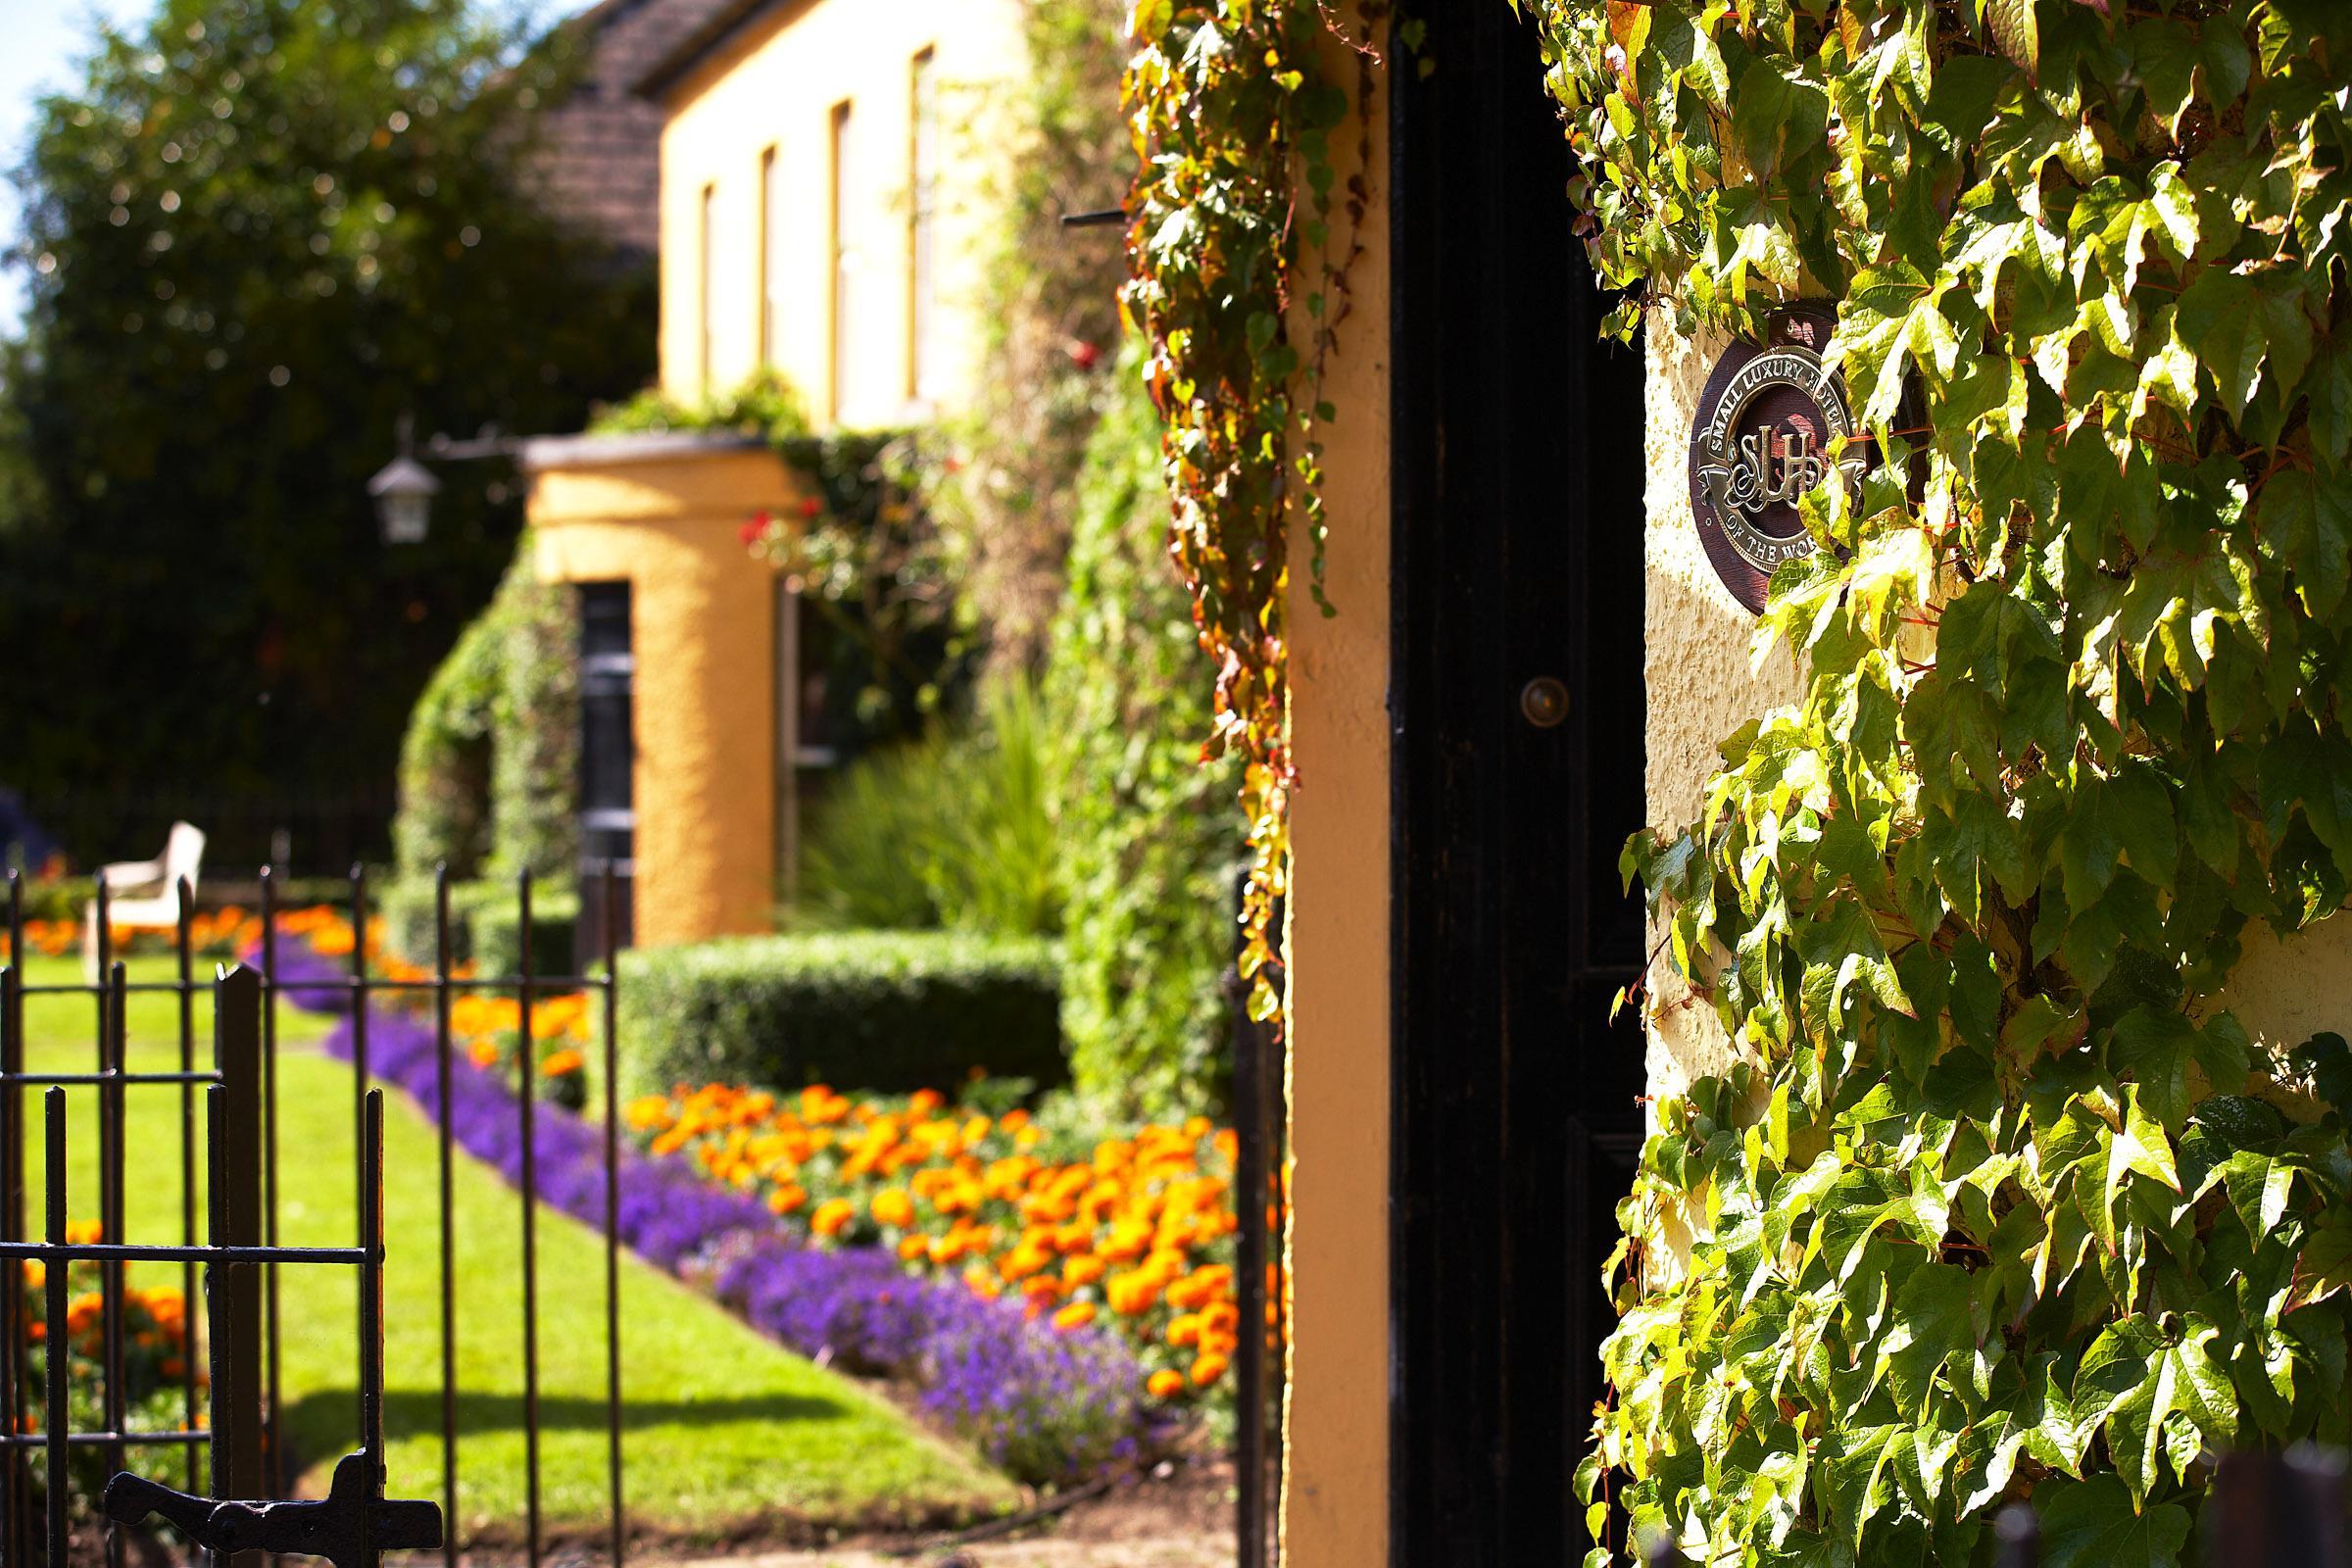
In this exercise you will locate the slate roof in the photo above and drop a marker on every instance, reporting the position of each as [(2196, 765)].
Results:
[(600, 151), (721, 23)]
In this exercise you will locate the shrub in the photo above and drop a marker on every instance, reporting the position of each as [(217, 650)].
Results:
[(950, 830), (888, 1010), (1148, 837), (484, 922), (406, 909), (555, 924)]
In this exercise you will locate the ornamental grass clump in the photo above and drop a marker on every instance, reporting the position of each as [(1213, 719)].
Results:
[(2003, 1201)]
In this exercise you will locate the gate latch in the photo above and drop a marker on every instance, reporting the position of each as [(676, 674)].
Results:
[(350, 1528)]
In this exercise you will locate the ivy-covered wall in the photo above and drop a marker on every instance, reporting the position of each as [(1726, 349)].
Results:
[(1148, 843), (487, 765), (2000, 1201)]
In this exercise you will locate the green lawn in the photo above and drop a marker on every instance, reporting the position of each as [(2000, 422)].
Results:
[(722, 1426)]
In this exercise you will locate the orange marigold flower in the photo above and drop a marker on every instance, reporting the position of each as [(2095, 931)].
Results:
[(484, 1052), (832, 1216), (1166, 1384), (1076, 1315), (83, 1232), (1131, 1294), (787, 1198), (1207, 1368), (893, 1207), (1022, 1262), (913, 1248), (1083, 1270), (562, 1064), (1184, 1331)]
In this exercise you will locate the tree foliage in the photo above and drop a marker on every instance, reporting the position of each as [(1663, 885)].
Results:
[(258, 233), (2003, 1201)]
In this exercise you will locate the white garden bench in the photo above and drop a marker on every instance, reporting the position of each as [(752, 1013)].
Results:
[(144, 894)]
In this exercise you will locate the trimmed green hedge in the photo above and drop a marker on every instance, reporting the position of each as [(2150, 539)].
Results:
[(879, 1010), (498, 933), (483, 925)]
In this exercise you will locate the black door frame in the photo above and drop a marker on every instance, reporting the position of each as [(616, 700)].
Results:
[(1515, 554), (606, 764)]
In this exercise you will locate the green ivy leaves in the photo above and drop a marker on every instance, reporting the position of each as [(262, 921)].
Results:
[(2002, 1202)]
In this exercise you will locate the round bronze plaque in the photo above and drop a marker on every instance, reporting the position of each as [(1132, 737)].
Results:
[(1766, 421)]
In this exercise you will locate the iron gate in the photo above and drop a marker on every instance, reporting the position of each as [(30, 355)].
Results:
[(355, 1524), (239, 1428)]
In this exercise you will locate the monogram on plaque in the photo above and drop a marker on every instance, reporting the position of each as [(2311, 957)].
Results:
[(1767, 421)]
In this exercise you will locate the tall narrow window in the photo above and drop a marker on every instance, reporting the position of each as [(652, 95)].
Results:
[(771, 262), (844, 262), (709, 286), (922, 221)]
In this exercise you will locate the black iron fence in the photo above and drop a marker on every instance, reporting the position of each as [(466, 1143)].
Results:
[(238, 1419), (1261, 1148), (232, 1436)]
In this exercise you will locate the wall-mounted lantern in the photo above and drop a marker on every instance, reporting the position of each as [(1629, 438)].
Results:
[(403, 488), (403, 491)]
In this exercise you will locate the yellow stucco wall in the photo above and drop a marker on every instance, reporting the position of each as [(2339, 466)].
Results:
[(701, 624), (777, 87), (1335, 1494)]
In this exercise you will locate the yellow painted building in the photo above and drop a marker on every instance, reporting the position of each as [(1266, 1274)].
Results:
[(823, 198), (824, 164)]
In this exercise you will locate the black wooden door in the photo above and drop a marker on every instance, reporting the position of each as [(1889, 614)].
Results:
[(607, 764), (1517, 701)]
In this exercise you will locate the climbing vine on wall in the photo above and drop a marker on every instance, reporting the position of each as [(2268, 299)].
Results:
[(1239, 285), (2003, 1202)]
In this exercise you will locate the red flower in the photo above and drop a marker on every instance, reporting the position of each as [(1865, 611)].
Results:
[(755, 528), (1084, 355), (810, 506)]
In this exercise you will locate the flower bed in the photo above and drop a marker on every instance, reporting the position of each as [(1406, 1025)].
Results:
[(211, 933), (1049, 1405), (154, 1363), (1134, 1232)]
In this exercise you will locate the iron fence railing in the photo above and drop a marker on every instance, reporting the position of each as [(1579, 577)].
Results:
[(1261, 1150), (243, 1151)]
